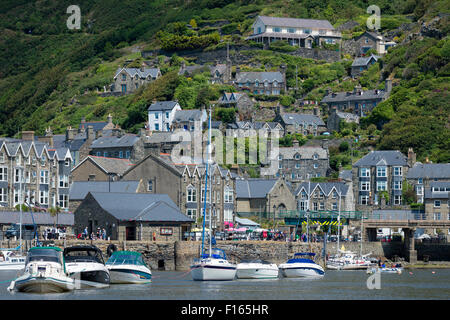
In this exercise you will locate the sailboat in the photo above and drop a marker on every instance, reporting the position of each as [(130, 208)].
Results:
[(212, 264)]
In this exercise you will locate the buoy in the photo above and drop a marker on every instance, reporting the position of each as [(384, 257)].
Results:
[(433, 272), (410, 273)]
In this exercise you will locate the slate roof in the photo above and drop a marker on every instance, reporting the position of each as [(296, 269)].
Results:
[(189, 115), (244, 77), (79, 189), (347, 116), (296, 23), (226, 97), (346, 175), (40, 218), (153, 72), (281, 35), (326, 187), (127, 140), (305, 152), (354, 96), (246, 125), (97, 125), (109, 165), (140, 207), (443, 193), (429, 170), (162, 105), (12, 146), (387, 158), (296, 118), (254, 188), (364, 61)]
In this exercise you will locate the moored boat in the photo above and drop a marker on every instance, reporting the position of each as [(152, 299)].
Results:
[(45, 272), (213, 266), (11, 259), (85, 264), (300, 266), (128, 267), (256, 269)]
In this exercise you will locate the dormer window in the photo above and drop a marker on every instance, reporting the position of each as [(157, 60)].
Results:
[(124, 76)]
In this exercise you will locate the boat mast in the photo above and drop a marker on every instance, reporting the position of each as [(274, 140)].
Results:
[(210, 180), (204, 211), (338, 223)]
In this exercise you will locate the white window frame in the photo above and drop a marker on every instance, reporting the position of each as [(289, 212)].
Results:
[(380, 171), (397, 185), (381, 185), (3, 194), (228, 195), (191, 194), (364, 172), (43, 197), (3, 173), (43, 177), (366, 184), (364, 200), (398, 171)]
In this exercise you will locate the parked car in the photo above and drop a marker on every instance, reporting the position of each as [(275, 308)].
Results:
[(220, 235)]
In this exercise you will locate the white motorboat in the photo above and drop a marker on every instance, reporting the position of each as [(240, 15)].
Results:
[(213, 266), (45, 272), (256, 269), (349, 261), (86, 266), (11, 259), (300, 266), (128, 267), (397, 270)]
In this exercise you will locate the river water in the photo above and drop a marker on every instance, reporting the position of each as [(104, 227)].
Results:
[(420, 284)]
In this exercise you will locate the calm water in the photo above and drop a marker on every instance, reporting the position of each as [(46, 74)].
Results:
[(341, 285)]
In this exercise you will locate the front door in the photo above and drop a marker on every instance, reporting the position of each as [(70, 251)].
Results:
[(130, 233)]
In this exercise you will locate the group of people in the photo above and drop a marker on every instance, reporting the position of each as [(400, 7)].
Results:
[(54, 233), (99, 235)]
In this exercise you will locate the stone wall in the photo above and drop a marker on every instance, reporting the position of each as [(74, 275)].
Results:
[(178, 255)]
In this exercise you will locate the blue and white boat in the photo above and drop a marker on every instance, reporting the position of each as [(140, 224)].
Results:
[(302, 265), (128, 267), (213, 266)]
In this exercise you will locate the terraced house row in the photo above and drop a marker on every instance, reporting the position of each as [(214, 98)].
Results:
[(42, 172)]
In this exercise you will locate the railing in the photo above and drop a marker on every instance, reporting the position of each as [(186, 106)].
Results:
[(399, 216)]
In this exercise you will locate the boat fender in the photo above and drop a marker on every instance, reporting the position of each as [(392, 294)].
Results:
[(111, 248)]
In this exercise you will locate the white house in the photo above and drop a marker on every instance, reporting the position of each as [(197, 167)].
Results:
[(161, 115), (298, 32)]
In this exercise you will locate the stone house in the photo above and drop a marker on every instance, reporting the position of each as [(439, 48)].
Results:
[(361, 64), (301, 123), (118, 145), (359, 101), (437, 201), (219, 73), (324, 196), (185, 185), (269, 196), (132, 216), (42, 172), (79, 189), (297, 32), (335, 118), (422, 175), (378, 179), (241, 129), (373, 40), (128, 80), (94, 168), (297, 164), (238, 100), (189, 120), (268, 83), (161, 114)]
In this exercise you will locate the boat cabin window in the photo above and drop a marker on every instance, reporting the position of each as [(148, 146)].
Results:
[(43, 255), (126, 259), (83, 255)]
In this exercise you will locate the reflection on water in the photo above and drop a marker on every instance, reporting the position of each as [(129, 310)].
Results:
[(417, 284)]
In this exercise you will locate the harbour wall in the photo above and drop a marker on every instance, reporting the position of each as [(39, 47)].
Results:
[(177, 255)]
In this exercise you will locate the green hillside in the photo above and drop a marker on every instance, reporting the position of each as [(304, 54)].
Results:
[(50, 74)]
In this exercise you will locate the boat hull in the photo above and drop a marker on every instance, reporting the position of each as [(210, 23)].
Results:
[(32, 284), (301, 270), (347, 267), (257, 272), (130, 275), (212, 272), (89, 275)]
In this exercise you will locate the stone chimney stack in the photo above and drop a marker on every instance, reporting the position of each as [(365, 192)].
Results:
[(109, 118), (295, 143), (28, 135), (70, 134), (316, 111), (90, 134), (143, 67), (411, 157)]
